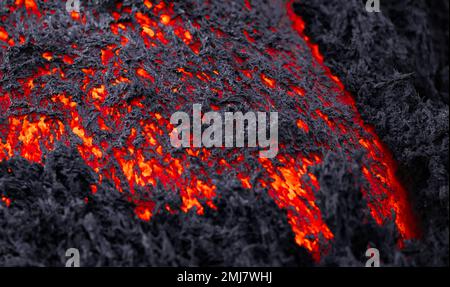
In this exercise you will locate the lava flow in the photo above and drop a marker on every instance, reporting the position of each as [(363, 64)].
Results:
[(109, 86)]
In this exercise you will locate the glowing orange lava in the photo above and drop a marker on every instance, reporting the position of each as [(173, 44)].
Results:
[(139, 156)]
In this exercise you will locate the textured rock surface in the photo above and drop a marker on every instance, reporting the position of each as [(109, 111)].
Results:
[(394, 63)]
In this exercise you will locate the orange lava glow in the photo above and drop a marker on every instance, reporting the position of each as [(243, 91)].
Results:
[(387, 198), (141, 158), (6, 201)]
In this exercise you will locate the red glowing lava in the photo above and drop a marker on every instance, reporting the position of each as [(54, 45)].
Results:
[(138, 156)]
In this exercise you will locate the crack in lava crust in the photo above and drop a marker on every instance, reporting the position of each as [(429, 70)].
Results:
[(110, 86)]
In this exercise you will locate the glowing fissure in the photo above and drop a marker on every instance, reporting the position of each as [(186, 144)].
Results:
[(143, 159), (387, 197)]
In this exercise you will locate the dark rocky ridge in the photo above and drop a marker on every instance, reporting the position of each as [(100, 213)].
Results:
[(395, 63)]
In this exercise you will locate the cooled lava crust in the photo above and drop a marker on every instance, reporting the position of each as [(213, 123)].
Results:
[(86, 160)]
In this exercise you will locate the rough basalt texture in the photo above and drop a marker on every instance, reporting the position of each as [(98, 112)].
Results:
[(395, 64)]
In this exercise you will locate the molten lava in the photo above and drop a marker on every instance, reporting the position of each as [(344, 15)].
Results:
[(121, 130)]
